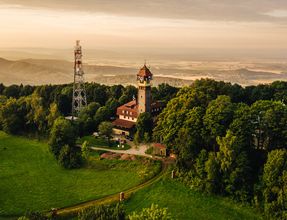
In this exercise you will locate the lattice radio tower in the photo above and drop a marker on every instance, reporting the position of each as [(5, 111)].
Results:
[(79, 93)]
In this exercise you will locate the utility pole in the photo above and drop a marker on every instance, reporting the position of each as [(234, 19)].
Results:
[(79, 93)]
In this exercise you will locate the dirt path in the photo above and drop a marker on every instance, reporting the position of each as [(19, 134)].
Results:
[(72, 210), (139, 151)]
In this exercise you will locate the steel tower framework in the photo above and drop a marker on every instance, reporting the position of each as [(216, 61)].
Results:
[(79, 93)]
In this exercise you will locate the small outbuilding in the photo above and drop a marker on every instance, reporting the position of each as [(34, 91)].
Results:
[(159, 149)]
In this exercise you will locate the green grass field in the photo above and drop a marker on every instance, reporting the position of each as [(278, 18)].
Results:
[(184, 203), (101, 142), (30, 177)]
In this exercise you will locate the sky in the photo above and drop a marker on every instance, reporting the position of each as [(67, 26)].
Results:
[(252, 26)]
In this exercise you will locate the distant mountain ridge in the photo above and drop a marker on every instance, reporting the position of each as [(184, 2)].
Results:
[(46, 71)]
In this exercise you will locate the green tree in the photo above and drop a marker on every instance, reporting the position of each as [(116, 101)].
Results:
[(213, 174), (62, 133), (64, 103), (85, 151), (106, 129), (12, 116), (123, 99), (101, 115), (218, 117), (12, 91), (275, 184), (242, 126), (86, 121), (130, 92), (116, 91), (144, 125), (2, 87), (147, 137), (189, 141), (154, 212), (234, 167), (270, 121), (199, 94), (112, 105), (164, 92), (37, 115), (53, 114), (69, 157)]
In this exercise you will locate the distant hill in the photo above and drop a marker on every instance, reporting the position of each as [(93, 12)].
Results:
[(46, 71)]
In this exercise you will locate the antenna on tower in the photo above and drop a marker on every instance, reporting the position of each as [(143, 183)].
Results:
[(79, 93)]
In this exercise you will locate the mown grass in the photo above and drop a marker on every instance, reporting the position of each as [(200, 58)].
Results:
[(102, 142), (31, 179), (184, 203)]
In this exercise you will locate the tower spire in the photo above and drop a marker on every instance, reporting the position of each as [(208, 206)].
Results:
[(79, 93)]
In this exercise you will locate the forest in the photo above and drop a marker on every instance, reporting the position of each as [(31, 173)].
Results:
[(229, 140)]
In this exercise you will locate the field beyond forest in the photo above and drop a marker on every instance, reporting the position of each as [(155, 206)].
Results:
[(31, 178)]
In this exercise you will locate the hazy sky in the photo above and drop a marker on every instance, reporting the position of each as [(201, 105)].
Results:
[(211, 24)]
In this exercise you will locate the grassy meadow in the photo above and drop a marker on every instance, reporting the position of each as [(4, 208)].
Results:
[(184, 203), (31, 179)]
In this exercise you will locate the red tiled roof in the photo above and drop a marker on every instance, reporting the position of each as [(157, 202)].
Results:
[(123, 123), (126, 109), (159, 145), (144, 71)]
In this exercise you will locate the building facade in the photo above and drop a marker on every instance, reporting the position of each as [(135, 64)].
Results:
[(128, 113)]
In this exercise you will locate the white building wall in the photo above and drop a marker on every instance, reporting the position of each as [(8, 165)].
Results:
[(127, 118)]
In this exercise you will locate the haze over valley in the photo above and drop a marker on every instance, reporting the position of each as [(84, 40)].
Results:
[(175, 72)]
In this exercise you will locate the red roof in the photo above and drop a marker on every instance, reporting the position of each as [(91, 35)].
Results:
[(144, 71), (129, 109), (123, 123), (159, 145)]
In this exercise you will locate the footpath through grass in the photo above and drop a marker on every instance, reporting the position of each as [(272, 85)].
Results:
[(184, 203), (30, 177)]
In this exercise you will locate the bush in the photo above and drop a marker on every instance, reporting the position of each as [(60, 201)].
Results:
[(149, 150), (111, 212), (69, 157), (62, 133), (154, 213), (34, 216)]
